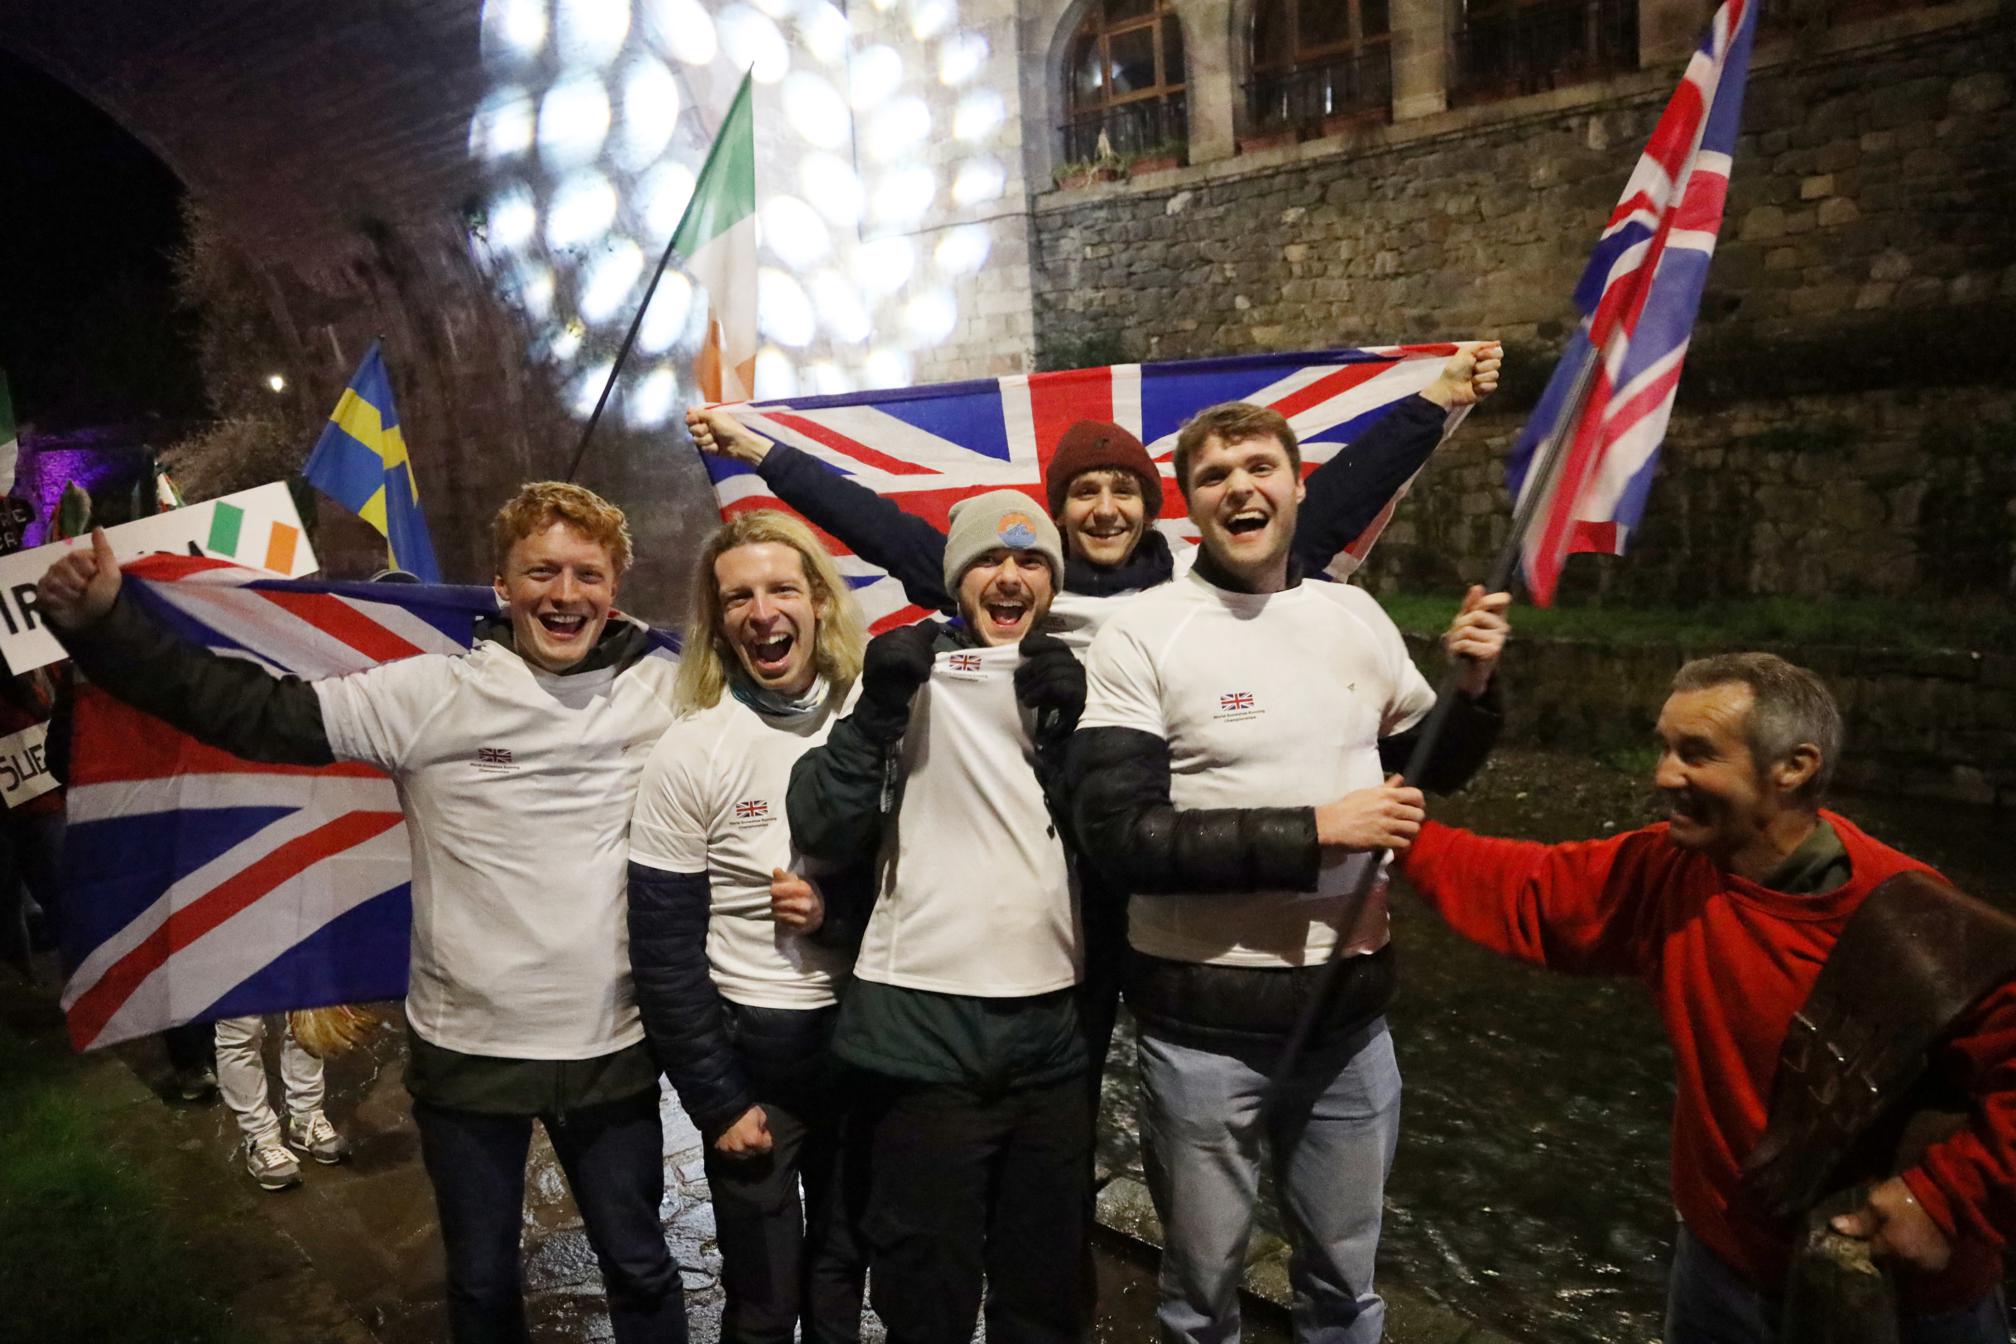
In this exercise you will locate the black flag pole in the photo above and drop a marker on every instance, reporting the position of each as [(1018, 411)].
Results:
[(637, 322), (1546, 465), (622, 353)]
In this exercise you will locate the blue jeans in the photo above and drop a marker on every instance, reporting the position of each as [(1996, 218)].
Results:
[(1331, 1145), (614, 1161), (1707, 1302)]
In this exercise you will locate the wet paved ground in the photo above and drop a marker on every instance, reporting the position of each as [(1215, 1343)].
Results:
[(1528, 1199)]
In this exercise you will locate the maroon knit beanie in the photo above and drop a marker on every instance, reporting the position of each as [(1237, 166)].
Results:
[(1091, 445)]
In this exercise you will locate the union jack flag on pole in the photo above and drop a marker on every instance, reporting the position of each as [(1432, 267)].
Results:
[(204, 886), (926, 448), (1638, 297)]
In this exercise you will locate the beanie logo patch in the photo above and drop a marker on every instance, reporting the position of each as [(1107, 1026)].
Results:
[(1015, 531)]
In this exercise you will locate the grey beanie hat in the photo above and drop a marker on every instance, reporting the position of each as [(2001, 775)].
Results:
[(998, 519)]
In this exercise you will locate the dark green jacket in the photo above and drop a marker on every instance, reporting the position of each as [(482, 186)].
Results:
[(842, 797)]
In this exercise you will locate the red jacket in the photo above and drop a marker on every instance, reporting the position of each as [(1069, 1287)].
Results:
[(1729, 962)]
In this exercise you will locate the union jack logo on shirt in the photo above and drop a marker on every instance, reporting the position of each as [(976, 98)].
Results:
[(926, 448), (752, 809), (1235, 700), (493, 755), (965, 662)]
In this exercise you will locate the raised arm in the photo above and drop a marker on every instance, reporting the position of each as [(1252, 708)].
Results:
[(1475, 714), (1347, 492), (226, 702), (909, 548)]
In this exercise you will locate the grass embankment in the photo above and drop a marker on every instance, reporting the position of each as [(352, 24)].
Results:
[(92, 1248), (1775, 622)]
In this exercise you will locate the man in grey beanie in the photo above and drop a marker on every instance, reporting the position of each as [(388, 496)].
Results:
[(962, 1015)]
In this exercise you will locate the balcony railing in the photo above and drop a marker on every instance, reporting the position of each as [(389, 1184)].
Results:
[(1307, 98), (1532, 48), (1131, 128)]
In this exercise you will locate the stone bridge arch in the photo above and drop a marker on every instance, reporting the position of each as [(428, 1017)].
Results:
[(328, 146)]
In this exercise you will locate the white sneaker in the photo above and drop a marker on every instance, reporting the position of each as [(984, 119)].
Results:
[(271, 1164), (314, 1135)]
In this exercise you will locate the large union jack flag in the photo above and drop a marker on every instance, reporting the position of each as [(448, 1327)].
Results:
[(926, 448), (1638, 297), (203, 886)]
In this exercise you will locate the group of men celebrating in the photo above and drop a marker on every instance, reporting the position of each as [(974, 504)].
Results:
[(868, 904)]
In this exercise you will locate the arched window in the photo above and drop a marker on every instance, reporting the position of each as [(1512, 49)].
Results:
[(1508, 47), (1125, 68), (1318, 64)]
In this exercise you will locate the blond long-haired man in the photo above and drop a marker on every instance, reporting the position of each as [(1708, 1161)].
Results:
[(737, 952)]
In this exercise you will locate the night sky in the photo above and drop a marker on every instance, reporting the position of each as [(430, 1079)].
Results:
[(90, 333)]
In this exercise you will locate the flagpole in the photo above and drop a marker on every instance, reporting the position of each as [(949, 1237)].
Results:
[(1547, 463), (637, 322), (622, 353)]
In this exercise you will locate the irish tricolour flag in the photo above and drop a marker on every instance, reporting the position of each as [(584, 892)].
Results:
[(717, 238)]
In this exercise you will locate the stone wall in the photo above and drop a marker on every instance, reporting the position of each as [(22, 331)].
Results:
[(1932, 724), (1867, 227), (1890, 494)]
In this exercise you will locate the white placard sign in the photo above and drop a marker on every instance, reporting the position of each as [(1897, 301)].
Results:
[(24, 766), (257, 528)]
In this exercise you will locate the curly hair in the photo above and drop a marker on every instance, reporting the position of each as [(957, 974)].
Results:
[(540, 504), (707, 660), (1231, 422)]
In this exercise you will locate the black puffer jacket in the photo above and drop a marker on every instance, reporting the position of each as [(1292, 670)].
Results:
[(1118, 781), (716, 1054)]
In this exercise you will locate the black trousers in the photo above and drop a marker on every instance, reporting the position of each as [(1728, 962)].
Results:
[(787, 1261), (966, 1187), (614, 1160)]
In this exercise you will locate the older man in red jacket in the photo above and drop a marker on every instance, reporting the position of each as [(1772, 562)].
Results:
[(1728, 910)]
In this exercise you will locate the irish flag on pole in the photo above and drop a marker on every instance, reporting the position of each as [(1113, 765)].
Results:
[(717, 238)]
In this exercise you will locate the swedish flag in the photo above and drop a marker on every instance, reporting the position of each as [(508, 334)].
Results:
[(360, 462)]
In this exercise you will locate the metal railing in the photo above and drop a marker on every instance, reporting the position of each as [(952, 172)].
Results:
[(1356, 85), (1131, 128), (1532, 48)]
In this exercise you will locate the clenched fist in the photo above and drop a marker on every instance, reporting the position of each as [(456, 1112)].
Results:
[(1387, 816)]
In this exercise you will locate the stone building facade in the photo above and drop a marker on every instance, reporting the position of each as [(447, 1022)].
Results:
[(1832, 435), (1820, 446)]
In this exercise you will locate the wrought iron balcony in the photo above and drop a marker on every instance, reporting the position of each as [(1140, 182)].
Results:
[(1532, 48), (1314, 94), (1131, 129)]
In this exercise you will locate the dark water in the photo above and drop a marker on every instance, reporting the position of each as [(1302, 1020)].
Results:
[(1530, 1189)]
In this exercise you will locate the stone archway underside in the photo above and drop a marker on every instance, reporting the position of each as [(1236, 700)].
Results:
[(329, 145)]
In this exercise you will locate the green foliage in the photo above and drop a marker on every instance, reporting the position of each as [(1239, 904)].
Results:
[(93, 1250), (258, 436), (1080, 350), (232, 454), (1772, 621)]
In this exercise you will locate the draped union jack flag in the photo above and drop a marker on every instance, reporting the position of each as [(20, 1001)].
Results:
[(926, 448), (1638, 297), (204, 886)]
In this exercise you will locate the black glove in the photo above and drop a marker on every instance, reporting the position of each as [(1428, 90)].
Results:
[(897, 662), (1051, 682)]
